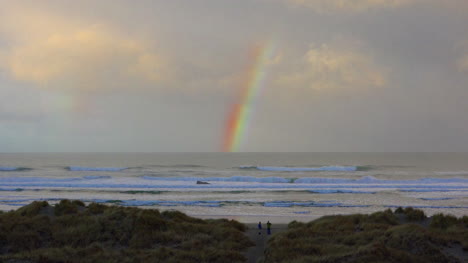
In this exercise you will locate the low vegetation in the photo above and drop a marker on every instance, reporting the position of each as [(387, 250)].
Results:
[(405, 235), (73, 232)]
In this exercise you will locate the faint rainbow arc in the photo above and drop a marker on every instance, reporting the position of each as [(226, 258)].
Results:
[(241, 111)]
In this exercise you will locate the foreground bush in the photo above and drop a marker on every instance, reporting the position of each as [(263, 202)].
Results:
[(72, 232), (379, 237)]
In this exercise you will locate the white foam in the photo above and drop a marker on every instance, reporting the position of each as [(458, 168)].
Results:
[(95, 177), (323, 185), (429, 190), (222, 179), (97, 169), (301, 204), (36, 179), (126, 185), (303, 169), (437, 198), (453, 173), (310, 180), (373, 180), (428, 206), (11, 189), (335, 191), (160, 203)]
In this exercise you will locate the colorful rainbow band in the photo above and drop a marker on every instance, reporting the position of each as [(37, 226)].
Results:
[(241, 111)]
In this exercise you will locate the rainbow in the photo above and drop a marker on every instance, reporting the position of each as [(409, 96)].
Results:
[(241, 111)]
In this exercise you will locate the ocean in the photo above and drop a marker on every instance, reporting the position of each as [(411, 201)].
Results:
[(248, 187)]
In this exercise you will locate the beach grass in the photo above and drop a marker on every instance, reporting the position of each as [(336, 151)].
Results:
[(70, 231), (403, 235)]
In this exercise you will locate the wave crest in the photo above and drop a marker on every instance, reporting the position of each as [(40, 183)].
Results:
[(96, 169), (302, 169), (250, 179), (335, 191), (13, 169)]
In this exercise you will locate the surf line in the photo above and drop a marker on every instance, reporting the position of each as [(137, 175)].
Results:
[(242, 110)]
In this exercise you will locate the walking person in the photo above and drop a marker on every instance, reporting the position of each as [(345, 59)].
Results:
[(268, 228), (259, 228)]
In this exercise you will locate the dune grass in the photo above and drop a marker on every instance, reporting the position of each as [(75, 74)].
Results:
[(70, 231), (405, 235)]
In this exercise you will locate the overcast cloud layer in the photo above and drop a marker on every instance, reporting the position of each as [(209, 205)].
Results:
[(152, 76)]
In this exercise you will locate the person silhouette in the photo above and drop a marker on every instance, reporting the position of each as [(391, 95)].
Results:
[(268, 228)]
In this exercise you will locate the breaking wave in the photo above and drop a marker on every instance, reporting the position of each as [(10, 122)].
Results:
[(428, 206), (373, 180), (11, 189), (334, 191), (222, 203), (12, 180), (438, 189), (205, 203), (309, 180), (96, 169), (453, 173), (13, 169), (308, 204), (302, 169), (366, 185), (95, 177), (222, 179), (437, 198)]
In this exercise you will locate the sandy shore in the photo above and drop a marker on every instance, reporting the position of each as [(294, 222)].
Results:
[(254, 219), (253, 254)]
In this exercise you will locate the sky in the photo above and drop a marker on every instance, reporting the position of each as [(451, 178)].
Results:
[(166, 76)]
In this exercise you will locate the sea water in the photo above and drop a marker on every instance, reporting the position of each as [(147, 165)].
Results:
[(245, 186)]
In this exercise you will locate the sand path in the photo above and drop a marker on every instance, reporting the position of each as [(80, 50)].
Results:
[(255, 253)]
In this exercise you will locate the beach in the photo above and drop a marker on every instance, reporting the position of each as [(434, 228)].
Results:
[(248, 187)]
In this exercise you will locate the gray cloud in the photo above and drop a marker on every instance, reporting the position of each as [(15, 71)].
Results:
[(164, 75)]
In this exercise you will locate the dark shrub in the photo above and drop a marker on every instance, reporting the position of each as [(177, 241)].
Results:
[(294, 224), (95, 208), (385, 217), (464, 221), (78, 203), (101, 233), (443, 221), (32, 209), (414, 214), (65, 207), (399, 210), (366, 238)]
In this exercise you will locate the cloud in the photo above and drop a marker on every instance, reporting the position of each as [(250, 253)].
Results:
[(353, 6), (463, 63), (333, 68), (52, 51), (359, 6)]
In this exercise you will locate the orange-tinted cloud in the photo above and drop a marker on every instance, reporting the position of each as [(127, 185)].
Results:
[(52, 51)]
